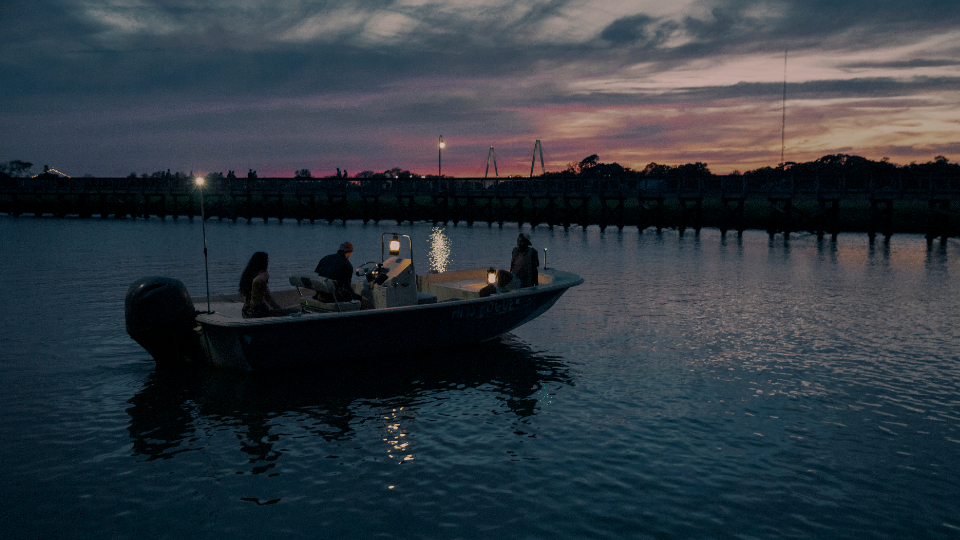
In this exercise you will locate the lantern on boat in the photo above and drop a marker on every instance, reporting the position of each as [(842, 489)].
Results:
[(491, 276), (395, 245)]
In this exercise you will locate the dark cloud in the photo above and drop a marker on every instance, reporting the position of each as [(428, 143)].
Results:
[(724, 24), (155, 76), (872, 87), (641, 30), (755, 25), (904, 64), (642, 132)]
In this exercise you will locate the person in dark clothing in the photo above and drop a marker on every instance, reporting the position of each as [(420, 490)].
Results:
[(337, 267), (257, 300), (524, 262)]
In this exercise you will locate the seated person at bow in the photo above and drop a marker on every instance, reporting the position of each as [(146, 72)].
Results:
[(523, 269), (503, 282), (337, 268), (257, 300)]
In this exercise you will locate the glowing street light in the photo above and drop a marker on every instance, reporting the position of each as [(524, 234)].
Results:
[(440, 157), (203, 225)]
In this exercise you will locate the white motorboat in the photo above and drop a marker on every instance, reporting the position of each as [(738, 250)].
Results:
[(410, 313)]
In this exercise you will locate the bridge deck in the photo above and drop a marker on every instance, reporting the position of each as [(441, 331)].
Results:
[(824, 206), (713, 187)]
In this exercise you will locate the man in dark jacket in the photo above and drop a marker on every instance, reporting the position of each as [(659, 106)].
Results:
[(337, 267)]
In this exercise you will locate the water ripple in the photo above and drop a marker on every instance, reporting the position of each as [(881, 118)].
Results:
[(692, 387)]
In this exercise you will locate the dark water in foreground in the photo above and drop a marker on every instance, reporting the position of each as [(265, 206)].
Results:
[(691, 388)]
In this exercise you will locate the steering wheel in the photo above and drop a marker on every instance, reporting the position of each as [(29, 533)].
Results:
[(362, 270)]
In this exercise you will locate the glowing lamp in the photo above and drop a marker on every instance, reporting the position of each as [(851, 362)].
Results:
[(199, 180), (395, 246), (491, 276), (440, 157)]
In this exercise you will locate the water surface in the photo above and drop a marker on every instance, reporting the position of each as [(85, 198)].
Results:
[(690, 388)]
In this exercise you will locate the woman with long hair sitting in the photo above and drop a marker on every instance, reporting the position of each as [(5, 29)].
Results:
[(257, 301)]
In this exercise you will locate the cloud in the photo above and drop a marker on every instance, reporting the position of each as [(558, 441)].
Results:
[(909, 64), (348, 80), (639, 30), (122, 18)]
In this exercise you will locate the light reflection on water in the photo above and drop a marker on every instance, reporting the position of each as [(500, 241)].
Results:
[(439, 250), (692, 387)]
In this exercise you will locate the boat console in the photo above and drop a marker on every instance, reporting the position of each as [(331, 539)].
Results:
[(398, 289)]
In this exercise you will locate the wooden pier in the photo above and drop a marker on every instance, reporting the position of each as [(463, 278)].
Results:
[(730, 203)]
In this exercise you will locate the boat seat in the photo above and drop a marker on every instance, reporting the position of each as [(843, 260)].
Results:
[(310, 304), (320, 284), (314, 283)]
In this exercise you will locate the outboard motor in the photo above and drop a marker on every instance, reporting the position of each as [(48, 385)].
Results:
[(160, 317)]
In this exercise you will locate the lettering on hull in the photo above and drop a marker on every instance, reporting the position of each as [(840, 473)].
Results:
[(489, 309)]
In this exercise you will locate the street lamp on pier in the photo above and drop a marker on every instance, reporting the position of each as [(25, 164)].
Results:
[(203, 226), (440, 157)]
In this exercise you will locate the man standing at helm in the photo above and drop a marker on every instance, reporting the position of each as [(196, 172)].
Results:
[(524, 262), (337, 267)]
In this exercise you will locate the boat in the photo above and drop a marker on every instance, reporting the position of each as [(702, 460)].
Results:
[(410, 313)]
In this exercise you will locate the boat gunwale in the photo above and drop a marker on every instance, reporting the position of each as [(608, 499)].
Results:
[(560, 279)]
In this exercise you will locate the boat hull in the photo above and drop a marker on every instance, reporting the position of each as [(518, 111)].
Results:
[(321, 338)]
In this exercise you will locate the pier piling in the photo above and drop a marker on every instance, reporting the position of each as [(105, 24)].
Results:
[(824, 206)]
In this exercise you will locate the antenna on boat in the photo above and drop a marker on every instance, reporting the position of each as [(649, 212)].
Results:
[(783, 120), (203, 225)]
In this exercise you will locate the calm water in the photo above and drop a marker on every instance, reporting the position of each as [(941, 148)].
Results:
[(691, 388)]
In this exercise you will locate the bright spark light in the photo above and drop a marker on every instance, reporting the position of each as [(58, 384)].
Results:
[(439, 250)]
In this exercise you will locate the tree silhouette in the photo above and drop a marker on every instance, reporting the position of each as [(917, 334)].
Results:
[(16, 168), (655, 169)]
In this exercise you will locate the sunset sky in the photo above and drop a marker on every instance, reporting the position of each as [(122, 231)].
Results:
[(109, 87)]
